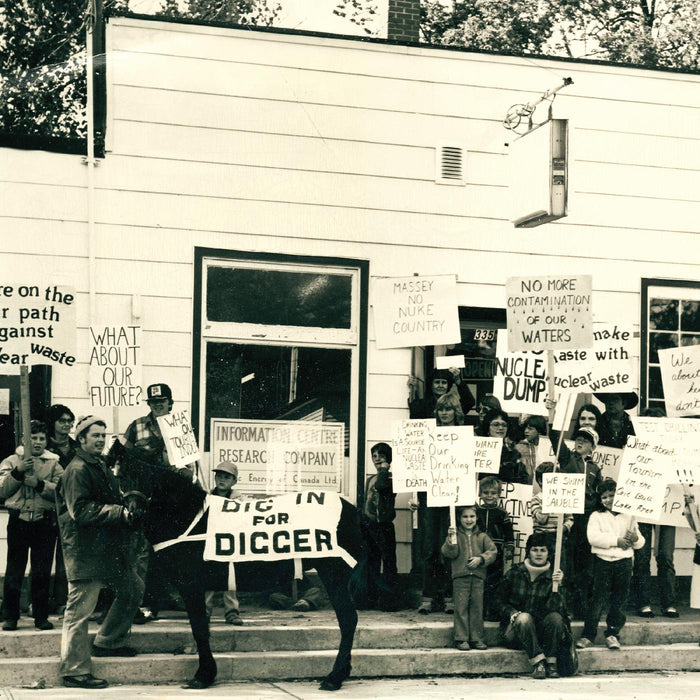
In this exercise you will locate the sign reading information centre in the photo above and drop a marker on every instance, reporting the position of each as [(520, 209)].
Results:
[(276, 456)]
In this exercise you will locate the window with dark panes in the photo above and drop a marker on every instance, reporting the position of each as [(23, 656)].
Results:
[(670, 319)]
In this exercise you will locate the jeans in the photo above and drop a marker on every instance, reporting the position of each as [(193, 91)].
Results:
[(611, 582), (540, 639), (22, 536), (380, 539), (113, 632), (580, 563), (666, 573), (468, 597)]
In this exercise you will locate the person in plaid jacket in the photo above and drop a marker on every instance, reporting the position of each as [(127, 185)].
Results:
[(532, 616)]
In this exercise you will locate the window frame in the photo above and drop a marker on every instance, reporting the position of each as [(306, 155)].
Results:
[(353, 339)]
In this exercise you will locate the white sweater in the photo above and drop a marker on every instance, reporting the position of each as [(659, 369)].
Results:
[(604, 529)]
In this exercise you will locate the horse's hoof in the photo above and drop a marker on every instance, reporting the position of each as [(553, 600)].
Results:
[(195, 684), (329, 685)]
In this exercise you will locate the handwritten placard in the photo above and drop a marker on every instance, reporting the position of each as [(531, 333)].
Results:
[(411, 311), (607, 366), (563, 493), (680, 375), (608, 459), (37, 326), (673, 508), (487, 455), (410, 453), (451, 475), (644, 473), (520, 379), (114, 376), (449, 361), (549, 312), (515, 500), (180, 440)]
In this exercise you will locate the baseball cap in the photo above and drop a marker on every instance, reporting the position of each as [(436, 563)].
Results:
[(228, 467), (587, 433), (158, 391)]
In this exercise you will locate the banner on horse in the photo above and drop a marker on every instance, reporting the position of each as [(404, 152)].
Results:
[(293, 525)]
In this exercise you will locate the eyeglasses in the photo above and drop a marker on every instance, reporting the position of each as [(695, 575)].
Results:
[(65, 421)]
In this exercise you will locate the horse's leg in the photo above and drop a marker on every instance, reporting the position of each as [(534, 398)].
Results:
[(335, 574), (193, 597)]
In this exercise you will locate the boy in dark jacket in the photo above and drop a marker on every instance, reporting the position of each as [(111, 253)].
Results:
[(378, 530)]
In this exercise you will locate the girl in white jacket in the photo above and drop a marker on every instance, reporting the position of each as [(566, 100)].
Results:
[(613, 537)]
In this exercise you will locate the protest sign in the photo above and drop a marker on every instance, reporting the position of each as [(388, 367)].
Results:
[(449, 361), (293, 525), (4, 402), (410, 452), (451, 475), (312, 457), (520, 379), (487, 455), (411, 311), (563, 493), (608, 459), (607, 366), (180, 440), (114, 376), (515, 500), (672, 510), (549, 313), (680, 375), (37, 326), (644, 473)]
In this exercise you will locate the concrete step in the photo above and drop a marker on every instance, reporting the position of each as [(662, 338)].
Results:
[(367, 663), (318, 631)]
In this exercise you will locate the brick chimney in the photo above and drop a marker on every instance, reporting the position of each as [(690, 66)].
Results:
[(404, 18)]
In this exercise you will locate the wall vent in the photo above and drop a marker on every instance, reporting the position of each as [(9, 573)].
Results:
[(449, 165)]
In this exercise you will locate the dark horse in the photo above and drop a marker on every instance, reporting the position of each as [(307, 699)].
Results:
[(167, 503)]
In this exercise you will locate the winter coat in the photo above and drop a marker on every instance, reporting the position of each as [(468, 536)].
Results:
[(90, 518), (469, 544), (605, 528), (380, 498), (518, 593), (32, 503)]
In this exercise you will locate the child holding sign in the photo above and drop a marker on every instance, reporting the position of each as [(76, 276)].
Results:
[(613, 536), (470, 552)]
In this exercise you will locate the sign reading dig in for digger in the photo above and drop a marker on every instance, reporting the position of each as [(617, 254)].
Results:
[(549, 313)]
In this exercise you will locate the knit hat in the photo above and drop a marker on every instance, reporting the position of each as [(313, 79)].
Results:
[(84, 422)]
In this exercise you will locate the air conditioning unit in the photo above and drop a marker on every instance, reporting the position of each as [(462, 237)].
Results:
[(540, 174)]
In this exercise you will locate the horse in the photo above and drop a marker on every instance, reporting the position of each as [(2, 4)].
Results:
[(165, 502)]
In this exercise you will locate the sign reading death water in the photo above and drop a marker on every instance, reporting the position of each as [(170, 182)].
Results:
[(520, 379), (114, 377), (563, 493), (410, 452), (276, 455), (410, 311), (294, 525), (180, 440), (37, 326), (487, 455), (644, 473), (680, 375), (608, 366), (549, 313), (451, 475)]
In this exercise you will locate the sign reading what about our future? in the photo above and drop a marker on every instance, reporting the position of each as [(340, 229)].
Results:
[(180, 440), (563, 493), (549, 312), (293, 525), (114, 376), (37, 326), (412, 311), (680, 374)]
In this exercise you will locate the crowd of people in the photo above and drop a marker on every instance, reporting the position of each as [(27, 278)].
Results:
[(65, 504)]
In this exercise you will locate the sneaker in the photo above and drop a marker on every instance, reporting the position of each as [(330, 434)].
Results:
[(425, 607), (9, 625), (449, 606), (87, 680), (116, 651), (552, 670), (584, 643), (646, 611), (462, 646), (671, 612), (234, 618), (301, 605), (479, 645), (539, 671), (613, 642), (43, 625)]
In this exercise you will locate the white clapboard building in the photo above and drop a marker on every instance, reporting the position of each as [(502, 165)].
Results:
[(255, 184)]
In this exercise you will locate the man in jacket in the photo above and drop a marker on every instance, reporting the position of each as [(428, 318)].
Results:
[(95, 533)]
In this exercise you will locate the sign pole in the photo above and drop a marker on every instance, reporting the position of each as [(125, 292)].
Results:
[(560, 516), (26, 418)]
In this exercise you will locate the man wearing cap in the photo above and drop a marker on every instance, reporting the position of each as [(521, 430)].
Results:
[(95, 534), (225, 478), (615, 426), (143, 434)]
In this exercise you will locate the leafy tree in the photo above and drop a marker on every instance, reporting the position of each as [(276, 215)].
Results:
[(260, 13)]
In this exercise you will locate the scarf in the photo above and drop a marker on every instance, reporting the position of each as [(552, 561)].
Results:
[(535, 571)]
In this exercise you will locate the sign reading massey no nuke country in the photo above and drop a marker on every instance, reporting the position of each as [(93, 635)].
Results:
[(37, 326), (278, 456), (411, 311), (549, 313)]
